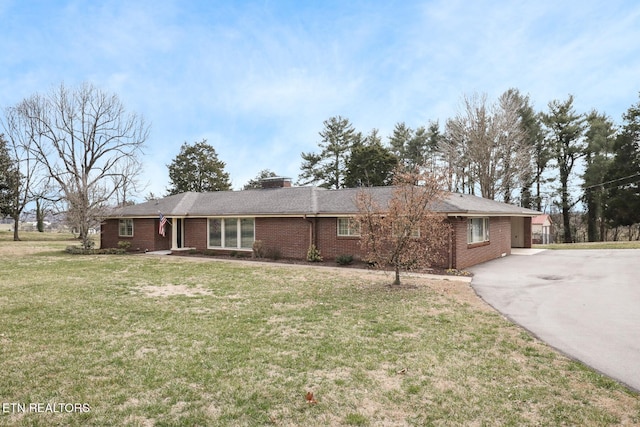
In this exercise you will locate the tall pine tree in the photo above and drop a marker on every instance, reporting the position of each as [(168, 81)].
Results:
[(565, 129), (370, 163), (600, 136), (328, 168), (623, 177)]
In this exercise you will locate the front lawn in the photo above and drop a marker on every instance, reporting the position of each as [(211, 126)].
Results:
[(147, 340)]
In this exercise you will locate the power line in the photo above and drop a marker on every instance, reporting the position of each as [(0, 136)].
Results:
[(613, 180)]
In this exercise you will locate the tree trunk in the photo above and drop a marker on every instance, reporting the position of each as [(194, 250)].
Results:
[(39, 216), (396, 281), (16, 225), (564, 179), (592, 216)]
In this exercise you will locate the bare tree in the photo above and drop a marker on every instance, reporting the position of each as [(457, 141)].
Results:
[(85, 139), (490, 143), (403, 232), (127, 182), (28, 177)]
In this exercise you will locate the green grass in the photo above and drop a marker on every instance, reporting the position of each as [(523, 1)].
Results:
[(592, 245), (165, 341), (34, 236)]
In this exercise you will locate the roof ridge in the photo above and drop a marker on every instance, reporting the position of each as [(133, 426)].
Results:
[(187, 201)]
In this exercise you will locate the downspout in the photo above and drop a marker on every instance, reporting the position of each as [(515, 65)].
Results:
[(450, 247), (313, 223), (311, 229)]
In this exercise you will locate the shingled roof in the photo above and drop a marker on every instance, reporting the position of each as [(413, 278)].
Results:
[(296, 201)]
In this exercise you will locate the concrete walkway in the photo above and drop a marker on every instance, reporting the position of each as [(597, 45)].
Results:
[(585, 303)]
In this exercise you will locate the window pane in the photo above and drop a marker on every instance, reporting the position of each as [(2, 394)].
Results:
[(215, 232), (478, 230), (343, 227), (485, 223), (246, 233), (125, 227), (230, 233), (348, 227)]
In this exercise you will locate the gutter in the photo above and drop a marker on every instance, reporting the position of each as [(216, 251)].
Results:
[(313, 219)]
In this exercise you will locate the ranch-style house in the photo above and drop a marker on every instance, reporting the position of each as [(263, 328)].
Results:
[(287, 220)]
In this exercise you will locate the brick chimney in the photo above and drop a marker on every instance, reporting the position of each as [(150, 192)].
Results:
[(276, 182)]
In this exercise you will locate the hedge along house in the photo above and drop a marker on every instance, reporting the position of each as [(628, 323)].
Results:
[(287, 220)]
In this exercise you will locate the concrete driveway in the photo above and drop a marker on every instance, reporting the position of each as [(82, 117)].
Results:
[(585, 303)]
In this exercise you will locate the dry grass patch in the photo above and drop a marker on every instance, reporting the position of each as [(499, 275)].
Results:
[(169, 290)]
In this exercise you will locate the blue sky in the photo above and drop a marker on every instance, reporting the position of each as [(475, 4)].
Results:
[(258, 78)]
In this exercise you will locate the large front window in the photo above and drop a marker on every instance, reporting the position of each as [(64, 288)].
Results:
[(231, 233), (478, 230)]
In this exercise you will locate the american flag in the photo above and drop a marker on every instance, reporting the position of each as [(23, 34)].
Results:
[(163, 222)]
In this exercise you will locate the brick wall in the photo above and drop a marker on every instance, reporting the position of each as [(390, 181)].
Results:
[(195, 233), (145, 235), (331, 245), (466, 255), (290, 236)]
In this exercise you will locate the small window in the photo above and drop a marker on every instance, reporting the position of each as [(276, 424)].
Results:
[(478, 230), (348, 227), (125, 228)]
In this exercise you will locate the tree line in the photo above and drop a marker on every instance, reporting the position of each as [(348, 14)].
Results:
[(80, 150), (504, 150)]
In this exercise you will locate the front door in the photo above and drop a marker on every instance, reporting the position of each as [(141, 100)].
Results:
[(517, 232), (179, 233)]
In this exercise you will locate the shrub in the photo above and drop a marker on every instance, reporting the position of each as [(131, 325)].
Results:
[(313, 254), (124, 245), (79, 250), (259, 250), (344, 259), (273, 253)]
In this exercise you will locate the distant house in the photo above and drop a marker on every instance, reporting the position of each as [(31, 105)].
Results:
[(287, 220), (541, 229)]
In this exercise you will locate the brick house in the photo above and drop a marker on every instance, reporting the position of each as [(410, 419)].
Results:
[(287, 220)]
